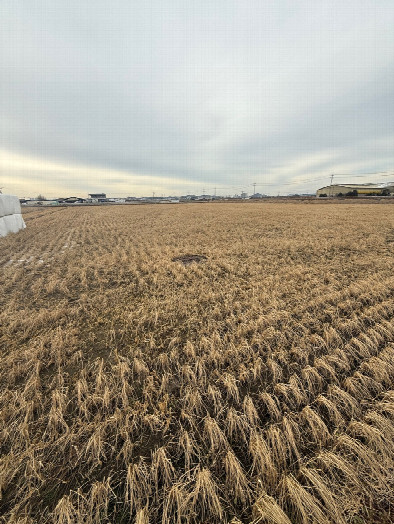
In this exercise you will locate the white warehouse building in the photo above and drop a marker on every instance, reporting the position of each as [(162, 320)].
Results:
[(362, 189)]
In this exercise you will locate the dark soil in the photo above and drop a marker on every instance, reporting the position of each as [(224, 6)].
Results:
[(189, 259)]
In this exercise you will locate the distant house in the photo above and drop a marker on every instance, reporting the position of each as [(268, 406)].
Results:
[(98, 197), (188, 197), (71, 200), (257, 195)]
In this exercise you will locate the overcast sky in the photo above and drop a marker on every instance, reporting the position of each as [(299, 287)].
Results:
[(176, 96)]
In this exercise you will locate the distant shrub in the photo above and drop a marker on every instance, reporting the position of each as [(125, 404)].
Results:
[(352, 194)]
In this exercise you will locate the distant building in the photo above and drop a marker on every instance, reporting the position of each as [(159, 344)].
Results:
[(362, 189), (74, 200), (98, 197), (35, 202), (52, 202), (188, 197)]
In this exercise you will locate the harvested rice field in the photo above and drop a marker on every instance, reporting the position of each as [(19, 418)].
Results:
[(199, 363)]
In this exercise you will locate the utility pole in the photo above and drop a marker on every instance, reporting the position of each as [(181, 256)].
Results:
[(332, 177), (254, 188), (203, 192), (215, 191)]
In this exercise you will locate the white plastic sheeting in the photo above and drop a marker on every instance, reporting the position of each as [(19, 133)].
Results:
[(11, 224), (11, 220), (9, 205)]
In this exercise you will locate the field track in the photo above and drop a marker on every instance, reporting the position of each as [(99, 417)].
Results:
[(254, 386)]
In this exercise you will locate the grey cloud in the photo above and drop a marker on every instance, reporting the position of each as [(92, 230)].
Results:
[(216, 92)]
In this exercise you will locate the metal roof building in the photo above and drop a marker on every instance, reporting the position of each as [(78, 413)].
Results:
[(362, 189)]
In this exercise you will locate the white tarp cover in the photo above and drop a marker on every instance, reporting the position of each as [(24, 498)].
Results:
[(9, 205), (11, 220), (11, 224)]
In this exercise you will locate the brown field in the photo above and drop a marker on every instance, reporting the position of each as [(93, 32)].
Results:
[(255, 385)]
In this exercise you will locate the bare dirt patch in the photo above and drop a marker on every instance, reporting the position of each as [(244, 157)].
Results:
[(188, 259)]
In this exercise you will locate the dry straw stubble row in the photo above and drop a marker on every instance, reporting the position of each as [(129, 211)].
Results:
[(256, 386)]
